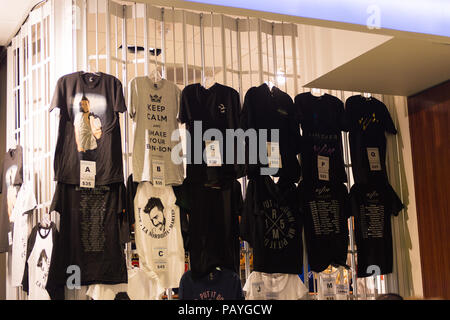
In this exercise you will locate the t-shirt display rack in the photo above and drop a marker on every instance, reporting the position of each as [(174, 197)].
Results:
[(28, 167)]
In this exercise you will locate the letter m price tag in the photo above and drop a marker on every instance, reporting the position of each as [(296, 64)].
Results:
[(87, 174)]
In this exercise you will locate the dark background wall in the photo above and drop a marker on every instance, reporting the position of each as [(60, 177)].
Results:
[(2, 153), (429, 119)]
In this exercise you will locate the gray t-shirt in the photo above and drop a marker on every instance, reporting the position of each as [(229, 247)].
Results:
[(11, 177), (154, 107)]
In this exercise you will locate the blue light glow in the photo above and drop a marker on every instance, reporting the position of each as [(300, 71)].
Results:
[(421, 16)]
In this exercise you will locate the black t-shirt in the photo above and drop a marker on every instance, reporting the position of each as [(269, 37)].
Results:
[(322, 119), (216, 285), (271, 224), (266, 108), (325, 208), (372, 207), (11, 178), (89, 234), (89, 126), (217, 108), (213, 225), (368, 119), (131, 194)]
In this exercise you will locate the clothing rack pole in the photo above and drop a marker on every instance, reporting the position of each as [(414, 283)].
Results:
[(163, 45), (146, 66), (202, 50)]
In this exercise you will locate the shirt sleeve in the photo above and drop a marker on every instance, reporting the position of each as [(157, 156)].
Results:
[(341, 116), (18, 180), (245, 118), (30, 245), (387, 121), (56, 292), (298, 107), (178, 101), (119, 101), (132, 99), (184, 115), (397, 204), (59, 97)]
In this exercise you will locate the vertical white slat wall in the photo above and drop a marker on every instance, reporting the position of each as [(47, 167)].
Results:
[(124, 40)]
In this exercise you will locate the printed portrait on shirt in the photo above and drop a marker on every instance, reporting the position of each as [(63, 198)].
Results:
[(88, 127), (156, 220)]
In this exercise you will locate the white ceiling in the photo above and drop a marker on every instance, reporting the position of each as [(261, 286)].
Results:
[(12, 14)]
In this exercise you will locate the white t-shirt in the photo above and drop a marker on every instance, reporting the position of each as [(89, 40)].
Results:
[(105, 291), (333, 286), (274, 286), (25, 202), (154, 110), (140, 287), (39, 264), (159, 242)]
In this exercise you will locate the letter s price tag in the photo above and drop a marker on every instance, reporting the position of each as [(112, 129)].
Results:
[(87, 174)]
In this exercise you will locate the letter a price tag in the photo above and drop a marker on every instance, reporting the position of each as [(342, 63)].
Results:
[(87, 174), (213, 156), (273, 154), (323, 167), (158, 173), (374, 159)]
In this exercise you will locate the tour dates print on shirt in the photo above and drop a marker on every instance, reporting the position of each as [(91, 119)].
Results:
[(92, 211), (154, 220)]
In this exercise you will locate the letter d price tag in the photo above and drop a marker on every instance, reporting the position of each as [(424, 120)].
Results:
[(87, 174)]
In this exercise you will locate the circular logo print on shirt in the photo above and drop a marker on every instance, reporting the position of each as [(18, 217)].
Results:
[(279, 225), (157, 221)]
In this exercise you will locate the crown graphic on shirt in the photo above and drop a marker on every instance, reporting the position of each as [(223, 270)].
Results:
[(155, 98)]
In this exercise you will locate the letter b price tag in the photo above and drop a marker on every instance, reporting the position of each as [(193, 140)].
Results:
[(158, 173), (87, 174)]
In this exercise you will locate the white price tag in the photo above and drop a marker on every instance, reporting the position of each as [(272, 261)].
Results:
[(87, 174), (213, 156), (374, 159), (158, 173), (329, 289), (323, 167), (273, 154), (160, 258), (342, 289), (10, 240)]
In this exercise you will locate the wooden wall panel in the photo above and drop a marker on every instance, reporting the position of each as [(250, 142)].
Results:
[(429, 120)]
